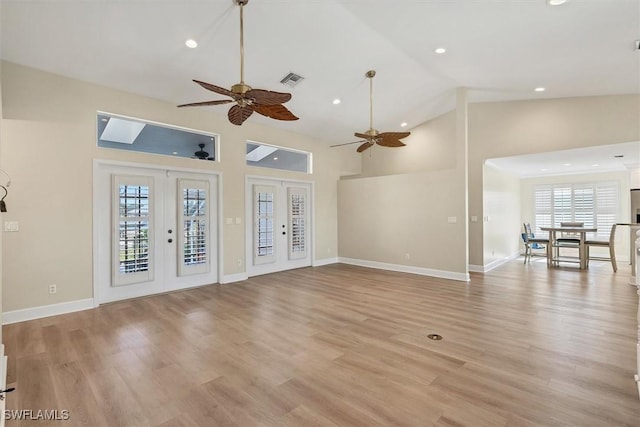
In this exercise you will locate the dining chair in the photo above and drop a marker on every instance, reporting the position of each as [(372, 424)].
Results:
[(603, 244), (567, 239), (532, 242)]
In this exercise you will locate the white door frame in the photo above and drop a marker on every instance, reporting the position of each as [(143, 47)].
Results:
[(249, 214), (99, 205)]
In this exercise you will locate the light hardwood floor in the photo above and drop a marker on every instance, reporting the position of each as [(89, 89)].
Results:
[(344, 346)]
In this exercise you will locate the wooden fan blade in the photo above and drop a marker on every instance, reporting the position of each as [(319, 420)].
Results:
[(278, 112), (346, 143), (364, 147), (216, 89), (205, 103), (267, 97), (237, 114), (394, 135), (362, 135), (391, 142)]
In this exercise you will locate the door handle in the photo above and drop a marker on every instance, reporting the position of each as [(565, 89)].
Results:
[(170, 240)]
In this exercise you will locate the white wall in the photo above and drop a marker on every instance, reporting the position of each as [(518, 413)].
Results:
[(502, 219), (49, 144)]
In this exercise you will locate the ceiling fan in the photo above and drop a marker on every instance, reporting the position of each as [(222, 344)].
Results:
[(247, 99), (201, 154), (372, 136)]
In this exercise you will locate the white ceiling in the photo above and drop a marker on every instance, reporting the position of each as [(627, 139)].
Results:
[(500, 49), (604, 158)]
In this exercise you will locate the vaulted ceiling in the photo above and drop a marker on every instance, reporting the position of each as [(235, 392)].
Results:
[(502, 50)]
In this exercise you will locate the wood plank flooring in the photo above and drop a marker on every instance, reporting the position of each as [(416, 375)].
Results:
[(343, 346)]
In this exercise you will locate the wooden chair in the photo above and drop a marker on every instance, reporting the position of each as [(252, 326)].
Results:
[(532, 242), (603, 244)]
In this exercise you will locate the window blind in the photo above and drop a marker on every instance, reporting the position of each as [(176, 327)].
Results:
[(594, 204)]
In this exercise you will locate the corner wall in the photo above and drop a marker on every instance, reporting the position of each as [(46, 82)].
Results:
[(49, 144), (501, 129)]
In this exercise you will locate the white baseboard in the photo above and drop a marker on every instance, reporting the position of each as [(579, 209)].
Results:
[(326, 261), (3, 382), (464, 277), (24, 314), (230, 278), (493, 264)]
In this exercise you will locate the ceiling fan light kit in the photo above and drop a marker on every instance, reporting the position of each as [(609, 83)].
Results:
[(247, 99)]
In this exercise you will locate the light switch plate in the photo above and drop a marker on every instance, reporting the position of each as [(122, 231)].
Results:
[(474, 218), (452, 220), (11, 226), (238, 220), (229, 221)]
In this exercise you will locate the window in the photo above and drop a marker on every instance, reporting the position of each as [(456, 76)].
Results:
[(270, 156), (595, 204), (124, 133)]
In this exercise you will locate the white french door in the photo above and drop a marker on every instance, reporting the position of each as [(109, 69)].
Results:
[(155, 231), (278, 225)]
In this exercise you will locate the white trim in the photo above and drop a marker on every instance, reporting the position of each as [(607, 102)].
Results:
[(96, 188), (452, 275), (231, 278), (325, 261), (249, 180), (3, 382), (32, 313), (494, 264)]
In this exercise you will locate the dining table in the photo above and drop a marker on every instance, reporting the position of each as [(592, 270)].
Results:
[(580, 234)]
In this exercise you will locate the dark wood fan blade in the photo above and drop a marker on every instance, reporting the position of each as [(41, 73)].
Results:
[(216, 89), (362, 135), (346, 143), (237, 114), (389, 142), (205, 103), (364, 147), (267, 97), (394, 135), (278, 112)]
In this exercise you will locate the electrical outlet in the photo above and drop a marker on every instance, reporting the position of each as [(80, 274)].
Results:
[(52, 289)]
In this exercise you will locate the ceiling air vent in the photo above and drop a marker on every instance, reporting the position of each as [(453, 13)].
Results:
[(291, 79)]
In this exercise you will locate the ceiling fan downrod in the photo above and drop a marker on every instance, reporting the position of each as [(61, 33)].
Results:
[(241, 88)]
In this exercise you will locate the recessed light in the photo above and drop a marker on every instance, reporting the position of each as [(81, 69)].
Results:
[(540, 89), (595, 165), (556, 2), (336, 101), (191, 44), (544, 170), (566, 164), (275, 158), (440, 50), (175, 153), (104, 119), (403, 124)]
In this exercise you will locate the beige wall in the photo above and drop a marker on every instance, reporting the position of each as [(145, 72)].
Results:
[(430, 147), (49, 143), (397, 211), (523, 127), (502, 219), (1, 215)]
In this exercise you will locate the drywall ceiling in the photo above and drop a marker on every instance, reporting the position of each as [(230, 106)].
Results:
[(502, 50), (604, 158)]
